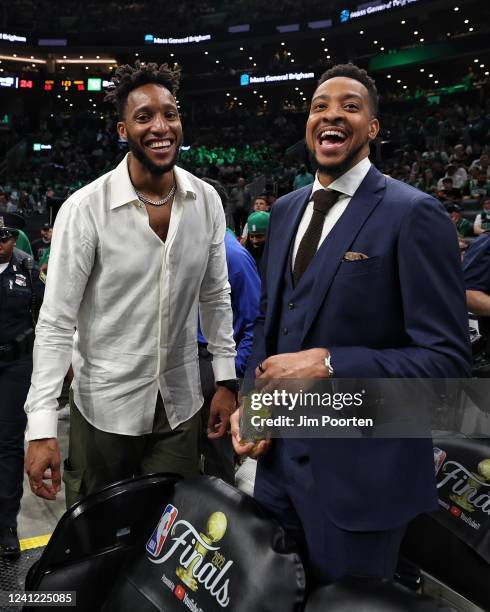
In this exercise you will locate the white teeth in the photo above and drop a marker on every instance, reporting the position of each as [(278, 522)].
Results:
[(327, 133), (161, 144)]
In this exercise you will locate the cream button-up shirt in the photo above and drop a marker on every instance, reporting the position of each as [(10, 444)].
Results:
[(133, 300)]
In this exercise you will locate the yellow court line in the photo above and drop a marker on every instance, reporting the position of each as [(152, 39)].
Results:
[(35, 542)]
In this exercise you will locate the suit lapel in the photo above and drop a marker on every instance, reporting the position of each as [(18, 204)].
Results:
[(278, 249), (329, 255)]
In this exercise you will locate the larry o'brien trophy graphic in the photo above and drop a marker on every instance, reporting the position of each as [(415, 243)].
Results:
[(472, 487), (215, 530)]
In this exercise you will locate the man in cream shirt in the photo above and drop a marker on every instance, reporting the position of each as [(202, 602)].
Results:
[(133, 256)]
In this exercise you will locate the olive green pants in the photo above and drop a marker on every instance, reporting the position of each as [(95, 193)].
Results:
[(97, 458)]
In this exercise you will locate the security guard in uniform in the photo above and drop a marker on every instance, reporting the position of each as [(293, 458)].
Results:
[(21, 294)]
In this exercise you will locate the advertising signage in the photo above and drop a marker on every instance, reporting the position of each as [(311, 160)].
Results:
[(13, 38), (151, 39), (247, 79), (373, 9)]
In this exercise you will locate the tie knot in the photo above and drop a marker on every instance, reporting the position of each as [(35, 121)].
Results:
[(324, 199)]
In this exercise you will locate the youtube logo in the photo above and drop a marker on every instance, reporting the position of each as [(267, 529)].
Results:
[(179, 592)]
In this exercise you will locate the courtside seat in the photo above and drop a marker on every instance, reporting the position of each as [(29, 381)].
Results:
[(369, 595), (453, 545), (194, 544), (96, 536)]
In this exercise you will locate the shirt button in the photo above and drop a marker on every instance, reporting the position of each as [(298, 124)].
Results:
[(285, 331), (291, 305)]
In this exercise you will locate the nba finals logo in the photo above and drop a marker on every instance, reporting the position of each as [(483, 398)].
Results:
[(200, 562)]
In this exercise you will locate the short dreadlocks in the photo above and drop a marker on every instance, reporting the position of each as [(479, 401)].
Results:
[(127, 78)]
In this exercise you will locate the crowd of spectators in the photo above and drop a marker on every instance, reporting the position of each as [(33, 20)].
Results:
[(73, 16), (442, 149)]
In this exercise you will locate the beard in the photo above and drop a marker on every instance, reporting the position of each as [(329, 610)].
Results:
[(146, 162), (337, 169)]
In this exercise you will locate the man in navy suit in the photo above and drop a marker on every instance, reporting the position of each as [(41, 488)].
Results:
[(379, 294)]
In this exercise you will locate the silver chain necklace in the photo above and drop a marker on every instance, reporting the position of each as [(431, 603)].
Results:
[(161, 202)]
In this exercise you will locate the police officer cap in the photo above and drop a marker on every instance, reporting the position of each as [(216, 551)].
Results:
[(10, 225)]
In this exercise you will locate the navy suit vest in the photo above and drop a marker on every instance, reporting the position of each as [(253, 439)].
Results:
[(295, 301)]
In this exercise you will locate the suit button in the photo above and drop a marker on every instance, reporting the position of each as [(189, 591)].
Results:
[(291, 305), (285, 331)]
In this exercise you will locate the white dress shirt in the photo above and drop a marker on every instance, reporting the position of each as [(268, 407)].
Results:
[(347, 185), (134, 301)]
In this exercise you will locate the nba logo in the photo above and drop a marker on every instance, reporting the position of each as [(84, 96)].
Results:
[(159, 535), (439, 458)]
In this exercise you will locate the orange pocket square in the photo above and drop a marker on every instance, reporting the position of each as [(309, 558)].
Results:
[(352, 256)]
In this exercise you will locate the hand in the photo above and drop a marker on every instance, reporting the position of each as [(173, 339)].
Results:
[(223, 405), (295, 366), (41, 455), (250, 449)]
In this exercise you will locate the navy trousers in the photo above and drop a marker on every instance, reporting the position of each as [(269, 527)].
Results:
[(286, 488), (15, 377)]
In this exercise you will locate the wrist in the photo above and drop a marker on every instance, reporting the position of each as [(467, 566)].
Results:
[(323, 363), (232, 385)]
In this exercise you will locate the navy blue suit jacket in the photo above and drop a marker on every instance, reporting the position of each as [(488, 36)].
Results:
[(400, 313)]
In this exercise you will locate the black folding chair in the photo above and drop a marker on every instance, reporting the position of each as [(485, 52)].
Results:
[(155, 544)]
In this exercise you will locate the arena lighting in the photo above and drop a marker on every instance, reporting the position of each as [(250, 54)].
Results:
[(317, 25), (239, 28), (292, 27), (15, 58), (86, 61)]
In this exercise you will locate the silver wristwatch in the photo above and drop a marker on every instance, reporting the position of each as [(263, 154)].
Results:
[(328, 365)]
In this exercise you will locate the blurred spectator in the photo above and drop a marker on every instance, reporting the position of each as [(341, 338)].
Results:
[(463, 226), (447, 192), (239, 205), (482, 220), (303, 178), (257, 224), (42, 244), (260, 205)]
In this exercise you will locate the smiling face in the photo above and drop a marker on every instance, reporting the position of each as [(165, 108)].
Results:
[(152, 127), (340, 126)]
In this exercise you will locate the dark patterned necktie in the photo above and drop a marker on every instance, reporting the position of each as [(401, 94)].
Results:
[(323, 200)]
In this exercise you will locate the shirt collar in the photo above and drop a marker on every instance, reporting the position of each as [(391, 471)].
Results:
[(122, 190), (349, 182)]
